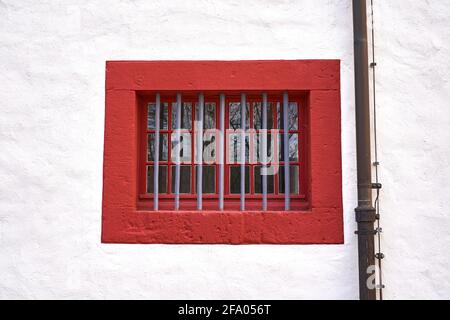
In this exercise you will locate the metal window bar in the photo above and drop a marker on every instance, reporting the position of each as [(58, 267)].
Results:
[(156, 153), (222, 152), (264, 151), (287, 189), (243, 127), (199, 149), (177, 149)]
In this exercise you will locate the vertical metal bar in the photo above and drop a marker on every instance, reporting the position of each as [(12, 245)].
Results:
[(264, 151), (243, 112), (178, 150), (199, 149), (221, 152), (156, 163), (287, 188)]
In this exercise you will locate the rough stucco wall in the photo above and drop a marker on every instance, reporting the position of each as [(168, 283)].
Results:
[(414, 124), (52, 64)]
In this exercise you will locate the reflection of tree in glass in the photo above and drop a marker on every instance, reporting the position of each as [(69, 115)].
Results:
[(151, 147), (186, 116), (209, 144), (181, 149), (257, 116), (210, 116), (151, 116), (151, 119), (235, 149), (235, 115), (247, 148), (259, 147), (163, 147), (293, 147), (292, 116)]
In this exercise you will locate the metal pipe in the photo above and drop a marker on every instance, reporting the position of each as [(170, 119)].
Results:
[(287, 187), (222, 152), (243, 127), (156, 164), (365, 212)]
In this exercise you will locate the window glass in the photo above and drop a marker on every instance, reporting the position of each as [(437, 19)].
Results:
[(258, 148), (208, 179), (182, 148), (292, 116), (162, 179), (294, 183), (151, 116), (185, 179), (186, 115), (235, 180), (234, 152), (209, 147), (258, 116), (209, 118), (163, 147), (235, 116), (293, 147), (259, 182)]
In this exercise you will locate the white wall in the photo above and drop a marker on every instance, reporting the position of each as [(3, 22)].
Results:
[(52, 65), (414, 126)]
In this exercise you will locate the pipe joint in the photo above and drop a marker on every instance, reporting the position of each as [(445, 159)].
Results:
[(366, 214)]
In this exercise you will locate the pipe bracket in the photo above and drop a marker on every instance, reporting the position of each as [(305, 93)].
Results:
[(366, 214), (377, 186), (366, 233), (379, 256)]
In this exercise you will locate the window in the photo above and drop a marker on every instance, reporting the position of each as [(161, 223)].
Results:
[(201, 115), (174, 130)]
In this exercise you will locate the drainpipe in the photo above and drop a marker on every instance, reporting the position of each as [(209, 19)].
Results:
[(365, 212)]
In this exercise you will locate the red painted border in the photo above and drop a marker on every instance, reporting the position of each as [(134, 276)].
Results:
[(320, 223)]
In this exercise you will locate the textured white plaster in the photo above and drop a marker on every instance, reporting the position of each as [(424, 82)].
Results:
[(52, 66), (414, 133)]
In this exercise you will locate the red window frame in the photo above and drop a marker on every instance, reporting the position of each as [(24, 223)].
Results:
[(127, 217), (188, 201)]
